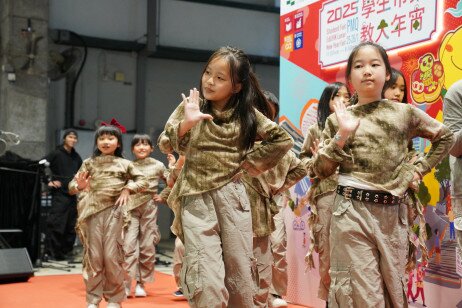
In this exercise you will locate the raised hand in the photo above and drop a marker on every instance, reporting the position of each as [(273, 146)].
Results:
[(83, 180), (192, 113), (347, 124)]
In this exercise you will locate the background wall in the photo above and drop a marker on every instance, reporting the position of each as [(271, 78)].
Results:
[(140, 87)]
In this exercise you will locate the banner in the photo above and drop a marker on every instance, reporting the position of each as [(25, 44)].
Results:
[(424, 41)]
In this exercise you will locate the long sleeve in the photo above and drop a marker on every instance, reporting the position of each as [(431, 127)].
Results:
[(376, 154), (297, 171), (306, 154), (169, 141), (452, 109), (73, 183), (318, 186), (138, 181), (276, 143), (330, 155), (438, 134)]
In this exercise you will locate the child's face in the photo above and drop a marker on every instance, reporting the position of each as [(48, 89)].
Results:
[(107, 144), (342, 95), (142, 150), (368, 73), (396, 91), (217, 85)]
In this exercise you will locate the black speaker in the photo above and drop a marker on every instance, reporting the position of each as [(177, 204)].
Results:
[(15, 265)]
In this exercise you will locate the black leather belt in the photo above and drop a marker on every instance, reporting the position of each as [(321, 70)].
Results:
[(373, 196)]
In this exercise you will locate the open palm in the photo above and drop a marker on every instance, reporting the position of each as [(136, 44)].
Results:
[(192, 113), (346, 122)]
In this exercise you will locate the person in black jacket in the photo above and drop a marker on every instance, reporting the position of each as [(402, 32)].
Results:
[(64, 164)]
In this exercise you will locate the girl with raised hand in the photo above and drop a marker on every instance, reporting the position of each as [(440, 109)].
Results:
[(215, 128), (368, 144)]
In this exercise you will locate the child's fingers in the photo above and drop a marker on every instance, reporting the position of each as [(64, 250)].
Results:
[(185, 100), (206, 116)]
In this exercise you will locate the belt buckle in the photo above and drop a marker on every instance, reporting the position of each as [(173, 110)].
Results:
[(359, 195), (347, 192)]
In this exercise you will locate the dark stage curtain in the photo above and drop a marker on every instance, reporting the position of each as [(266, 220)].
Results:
[(20, 191)]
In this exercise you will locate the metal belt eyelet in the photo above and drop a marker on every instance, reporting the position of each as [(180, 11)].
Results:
[(347, 191)]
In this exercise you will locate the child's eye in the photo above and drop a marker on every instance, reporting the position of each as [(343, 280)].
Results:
[(358, 66)]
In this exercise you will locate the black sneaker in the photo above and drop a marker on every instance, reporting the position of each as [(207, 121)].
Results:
[(178, 293)]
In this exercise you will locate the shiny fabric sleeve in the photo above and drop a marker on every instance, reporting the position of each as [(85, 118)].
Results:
[(306, 154), (168, 140), (276, 143), (297, 171), (438, 134), (73, 190), (165, 193), (330, 155), (138, 181)]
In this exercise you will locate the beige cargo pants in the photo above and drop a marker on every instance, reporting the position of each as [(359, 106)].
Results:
[(218, 265), (105, 251), (178, 254), (263, 256), (278, 239), (369, 246), (321, 231), (141, 236)]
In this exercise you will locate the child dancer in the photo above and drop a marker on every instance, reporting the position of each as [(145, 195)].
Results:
[(395, 89), (142, 234), (368, 143), (104, 178), (263, 192), (322, 192), (212, 212)]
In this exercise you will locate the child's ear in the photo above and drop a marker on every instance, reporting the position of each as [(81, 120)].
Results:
[(388, 76), (237, 88)]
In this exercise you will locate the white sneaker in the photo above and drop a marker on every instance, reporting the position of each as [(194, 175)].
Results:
[(128, 290), (139, 290), (92, 306), (113, 305), (278, 302)]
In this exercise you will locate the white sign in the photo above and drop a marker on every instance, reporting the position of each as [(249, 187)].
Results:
[(343, 24)]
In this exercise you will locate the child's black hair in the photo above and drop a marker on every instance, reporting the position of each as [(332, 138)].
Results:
[(395, 74), (143, 138), (244, 101), (323, 106)]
